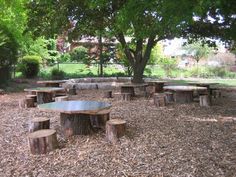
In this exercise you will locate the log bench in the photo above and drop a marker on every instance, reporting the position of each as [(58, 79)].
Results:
[(107, 94), (115, 128), (159, 99), (42, 141), (26, 103), (61, 98), (205, 100), (32, 96)]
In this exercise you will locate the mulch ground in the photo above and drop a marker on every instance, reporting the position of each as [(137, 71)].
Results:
[(176, 140)]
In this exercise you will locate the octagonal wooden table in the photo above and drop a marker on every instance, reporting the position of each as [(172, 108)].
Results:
[(44, 94), (52, 83), (184, 94), (75, 115), (204, 84), (129, 88)]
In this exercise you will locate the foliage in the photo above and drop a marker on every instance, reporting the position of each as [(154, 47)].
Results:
[(157, 53), (57, 74), (29, 66), (145, 22), (8, 53), (168, 64), (80, 54), (65, 57)]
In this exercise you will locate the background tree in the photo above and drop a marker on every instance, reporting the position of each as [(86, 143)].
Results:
[(145, 22)]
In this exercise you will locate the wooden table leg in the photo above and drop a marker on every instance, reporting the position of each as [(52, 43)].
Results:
[(76, 124), (159, 87), (128, 90), (44, 97), (184, 96)]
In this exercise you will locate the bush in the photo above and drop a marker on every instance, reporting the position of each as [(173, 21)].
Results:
[(80, 54), (29, 66), (65, 58), (57, 74)]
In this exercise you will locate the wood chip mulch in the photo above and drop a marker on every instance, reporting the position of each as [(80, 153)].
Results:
[(174, 141)]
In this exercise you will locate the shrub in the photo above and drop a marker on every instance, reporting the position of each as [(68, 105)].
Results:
[(80, 54), (57, 74), (65, 58), (29, 66)]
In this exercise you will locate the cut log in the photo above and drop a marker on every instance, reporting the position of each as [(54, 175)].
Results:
[(115, 128), (107, 94), (128, 90), (39, 123), (32, 96), (26, 103), (204, 100), (169, 97), (76, 124), (44, 97), (126, 96), (216, 93), (42, 141), (71, 91), (52, 84), (159, 100), (100, 118), (61, 98), (183, 96)]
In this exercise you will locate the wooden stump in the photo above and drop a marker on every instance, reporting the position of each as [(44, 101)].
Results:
[(158, 87), (107, 94), (71, 91), (1, 92), (216, 93), (115, 128), (52, 84), (169, 96), (38, 124), (44, 97), (128, 90), (100, 118), (61, 98), (159, 100), (126, 96), (183, 96), (26, 103), (42, 141), (76, 124), (32, 96), (204, 100)]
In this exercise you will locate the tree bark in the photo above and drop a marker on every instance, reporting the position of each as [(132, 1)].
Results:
[(38, 124), (44, 97), (42, 141), (115, 129), (76, 124), (26, 103), (100, 54), (204, 100), (99, 120)]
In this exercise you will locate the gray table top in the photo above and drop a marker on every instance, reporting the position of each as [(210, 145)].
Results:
[(44, 89), (51, 82), (70, 107), (134, 85), (183, 88)]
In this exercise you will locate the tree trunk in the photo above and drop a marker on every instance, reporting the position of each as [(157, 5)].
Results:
[(100, 55), (138, 74)]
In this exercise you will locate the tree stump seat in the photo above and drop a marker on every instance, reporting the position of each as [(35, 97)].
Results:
[(107, 94), (169, 97), (205, 100), (115, 128), (26, 103), (61, 98), (32, 96), (39, 123), (159, 99), (99, 119), (71, 91), (42, 141), (216, 93), (126, 96)]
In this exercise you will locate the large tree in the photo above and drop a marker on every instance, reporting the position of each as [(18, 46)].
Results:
[(145, 21)]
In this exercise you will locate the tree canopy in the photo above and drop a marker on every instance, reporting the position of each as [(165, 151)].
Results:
[(145, 21)]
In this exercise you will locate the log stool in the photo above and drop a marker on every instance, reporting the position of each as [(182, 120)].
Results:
[(126, 96), (26, 103), (169, 97), (72, 91), (107, 94), (204, 100), (159, 99), (39, 123), (115, 128), (216, 93), (100, 118), (32, 96), (42, 141), (61, 98)]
